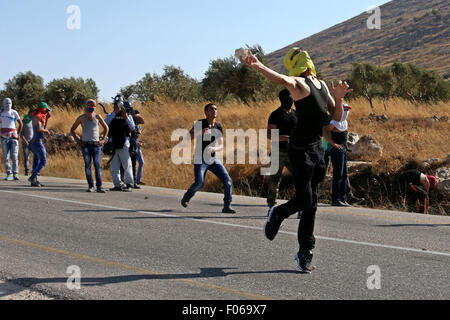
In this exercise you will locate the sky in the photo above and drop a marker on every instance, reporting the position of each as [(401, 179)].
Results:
[(119, 41)]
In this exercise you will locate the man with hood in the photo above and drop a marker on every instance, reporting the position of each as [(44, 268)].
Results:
[(27, 135), (91, 143), (10, 139), (283, 119), (312, 100)]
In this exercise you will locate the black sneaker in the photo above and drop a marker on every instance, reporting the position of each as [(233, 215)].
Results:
[(304, 259), (90, 189), (135, 186), (100, 190), (36, 184), (228, 210), (272, 224), (184, 202), (116, 189)]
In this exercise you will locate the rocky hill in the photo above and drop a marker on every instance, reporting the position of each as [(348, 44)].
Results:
[(415, 31)]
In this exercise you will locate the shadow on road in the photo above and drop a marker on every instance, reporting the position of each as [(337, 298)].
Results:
[(412, 225), (52, 188), (101, 281)]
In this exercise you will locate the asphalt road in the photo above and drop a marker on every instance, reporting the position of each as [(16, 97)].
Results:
[(144, 245)]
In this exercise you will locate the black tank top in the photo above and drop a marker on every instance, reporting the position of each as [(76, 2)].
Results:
[(311, 114), (340, 137)]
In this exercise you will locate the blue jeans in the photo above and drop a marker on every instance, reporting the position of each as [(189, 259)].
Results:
[(10, 148), (39, 158), (140, 170), (340, 174), (26, 157), (219, 170), (92, 152)]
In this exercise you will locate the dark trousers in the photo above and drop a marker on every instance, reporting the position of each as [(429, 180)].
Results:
[(309, 169), (340, 174), (348, 187)]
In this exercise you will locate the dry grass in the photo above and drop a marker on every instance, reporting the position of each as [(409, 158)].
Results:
[(409, 135)]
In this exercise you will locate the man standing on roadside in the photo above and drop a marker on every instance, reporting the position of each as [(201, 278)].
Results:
[(283, 119), (120, 127), (91, 144), (27, 135), (10, 139)]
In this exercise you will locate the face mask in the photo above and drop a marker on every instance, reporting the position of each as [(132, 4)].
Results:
[(89, 113), (7, 105), (287, 103)]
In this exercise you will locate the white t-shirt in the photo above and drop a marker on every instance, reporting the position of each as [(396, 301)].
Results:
[(343, 124), (8, 124)]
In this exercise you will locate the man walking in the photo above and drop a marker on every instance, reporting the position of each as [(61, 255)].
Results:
[(10, 139), (209, 135), (40, 122), (91, 144)]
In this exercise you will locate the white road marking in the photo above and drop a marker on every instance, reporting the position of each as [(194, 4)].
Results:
[(370, 244)]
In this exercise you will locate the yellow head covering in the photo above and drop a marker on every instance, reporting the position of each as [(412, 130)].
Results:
[(298, 61)]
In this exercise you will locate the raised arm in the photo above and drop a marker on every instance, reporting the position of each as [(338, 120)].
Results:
[(40, 128), (335, 99), (296, 86)]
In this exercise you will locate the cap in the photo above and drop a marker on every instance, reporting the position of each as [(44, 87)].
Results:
[(44, 105), (91, 101)]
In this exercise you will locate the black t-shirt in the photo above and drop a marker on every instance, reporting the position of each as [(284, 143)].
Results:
[(410, 176), (312, 113), (285, 122), (208, 139)]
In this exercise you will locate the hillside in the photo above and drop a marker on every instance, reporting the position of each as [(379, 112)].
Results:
[(415, 31)]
